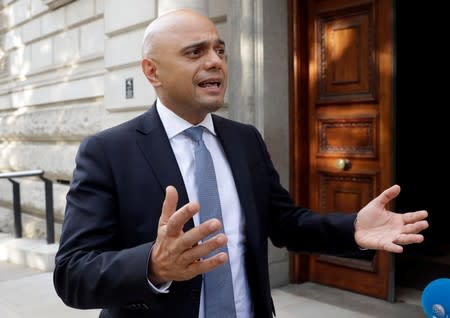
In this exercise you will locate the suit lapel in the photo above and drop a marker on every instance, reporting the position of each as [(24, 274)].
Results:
[(236, 154), (155, 146)]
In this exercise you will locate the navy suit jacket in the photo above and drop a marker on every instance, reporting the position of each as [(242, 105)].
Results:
[(115, 201)]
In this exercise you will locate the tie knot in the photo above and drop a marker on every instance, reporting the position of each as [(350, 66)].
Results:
[(195, 133)]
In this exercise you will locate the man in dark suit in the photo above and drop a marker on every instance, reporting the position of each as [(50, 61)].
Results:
[(132, 241)]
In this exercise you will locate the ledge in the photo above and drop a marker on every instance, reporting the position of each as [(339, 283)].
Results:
[(54, 4), (36, 254)]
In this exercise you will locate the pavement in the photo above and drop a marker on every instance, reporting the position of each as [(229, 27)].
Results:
[(29, 293)]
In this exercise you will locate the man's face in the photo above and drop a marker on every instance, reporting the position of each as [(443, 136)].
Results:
[(191, 68)]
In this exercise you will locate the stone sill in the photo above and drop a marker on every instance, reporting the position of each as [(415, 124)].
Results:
[(36, 254), (54, 4)]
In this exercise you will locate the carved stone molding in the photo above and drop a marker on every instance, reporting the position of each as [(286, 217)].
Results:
[(54, 4)]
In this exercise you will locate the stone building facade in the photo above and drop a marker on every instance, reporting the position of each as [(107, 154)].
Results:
[(70, 68)]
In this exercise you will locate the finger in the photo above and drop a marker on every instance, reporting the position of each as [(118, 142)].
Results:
[(198, 233), (206, 248), (406, 239), (206, 265), (412, 217), (180, 218), (415, 227), (393, 248), (387, 195), (169, 205)]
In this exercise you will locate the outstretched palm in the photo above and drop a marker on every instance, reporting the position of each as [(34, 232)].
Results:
[(381, 229)]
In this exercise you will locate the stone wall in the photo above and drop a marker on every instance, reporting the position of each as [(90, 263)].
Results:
[(51, 96)]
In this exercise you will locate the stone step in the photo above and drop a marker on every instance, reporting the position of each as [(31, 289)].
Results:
[(36, 254)]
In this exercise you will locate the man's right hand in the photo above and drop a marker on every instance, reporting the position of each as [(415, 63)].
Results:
[(177, 255)]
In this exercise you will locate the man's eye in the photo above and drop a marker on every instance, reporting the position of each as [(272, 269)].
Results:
[(195, 52), (220, 51)]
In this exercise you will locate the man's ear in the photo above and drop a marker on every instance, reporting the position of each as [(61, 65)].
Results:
[(149, 68)]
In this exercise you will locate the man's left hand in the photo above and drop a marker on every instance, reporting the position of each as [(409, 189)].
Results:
[(380, 229)]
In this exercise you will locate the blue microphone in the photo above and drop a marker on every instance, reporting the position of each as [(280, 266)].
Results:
[(436, 298)]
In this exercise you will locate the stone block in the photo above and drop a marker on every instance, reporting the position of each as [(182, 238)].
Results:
[(6, 218), (115, 118), (277, 254), (217, 8), (92, 38), (35, 254), (198, 5), (5, 101), (41, 54), (37, 7), (4, 19), (66, 91), (57, 123), (19, 12), (121, 15), (123, 49), (19, 65), (6, 194), (13, 39), (99, 6), (58, 160), (279, 274), (31, 30), (32, 196), (53, 21), (33, 227), (222, 28), (79, 11), (6, 2), (115, 90), (66, 46)]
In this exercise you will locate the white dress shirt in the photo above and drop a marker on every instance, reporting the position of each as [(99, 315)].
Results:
[(233, 218)]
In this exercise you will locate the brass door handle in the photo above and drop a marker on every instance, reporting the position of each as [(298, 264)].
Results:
[(343, 164)]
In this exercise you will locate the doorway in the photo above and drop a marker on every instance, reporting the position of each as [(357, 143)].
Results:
[(341, 126), (421, 140), (413, 124)]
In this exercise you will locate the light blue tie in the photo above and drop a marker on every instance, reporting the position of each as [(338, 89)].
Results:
[(218, 284)]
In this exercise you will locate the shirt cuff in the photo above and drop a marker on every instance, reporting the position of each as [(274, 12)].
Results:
[(354, 229), (160, 289)]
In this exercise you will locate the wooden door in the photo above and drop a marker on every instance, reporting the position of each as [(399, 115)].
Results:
[(341, 120)]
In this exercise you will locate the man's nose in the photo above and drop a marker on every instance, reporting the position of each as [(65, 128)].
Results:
[(214, 59)]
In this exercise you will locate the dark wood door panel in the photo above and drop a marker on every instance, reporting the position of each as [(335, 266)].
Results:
[(345, 192), (346, 54), (363, 277), (347, 136)]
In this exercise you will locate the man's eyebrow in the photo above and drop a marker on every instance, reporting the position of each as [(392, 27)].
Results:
[(202, 44)]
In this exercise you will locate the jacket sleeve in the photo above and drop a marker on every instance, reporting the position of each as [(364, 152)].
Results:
[(302, 230), (90, 270)]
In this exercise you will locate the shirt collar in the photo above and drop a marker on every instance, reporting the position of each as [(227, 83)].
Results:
[(174, 124)]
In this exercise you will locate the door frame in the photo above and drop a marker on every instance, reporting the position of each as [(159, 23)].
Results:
[(298, 123)]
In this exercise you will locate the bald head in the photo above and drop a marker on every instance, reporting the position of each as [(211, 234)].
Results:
[(169, 22), (184, 59)]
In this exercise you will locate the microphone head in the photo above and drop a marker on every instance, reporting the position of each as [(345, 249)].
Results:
[(436, 298)]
